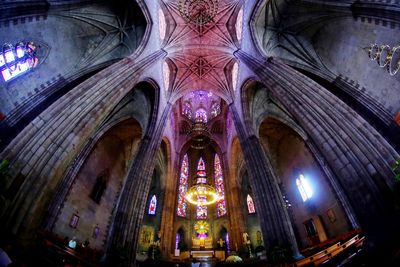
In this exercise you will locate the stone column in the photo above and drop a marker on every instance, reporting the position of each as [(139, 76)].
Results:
[(43, 151), (169, 209), (368, 107), (359, 156), (234, 208), (274, 218), (127, 221), (64, 186)]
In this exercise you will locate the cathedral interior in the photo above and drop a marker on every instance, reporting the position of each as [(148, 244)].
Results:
[(200, 132)]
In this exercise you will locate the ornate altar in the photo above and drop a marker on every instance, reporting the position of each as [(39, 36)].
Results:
[(199, 243)]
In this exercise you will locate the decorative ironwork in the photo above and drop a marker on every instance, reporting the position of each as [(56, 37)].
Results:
[(201, 227), (386, 57), (202, 195), (198, 12)]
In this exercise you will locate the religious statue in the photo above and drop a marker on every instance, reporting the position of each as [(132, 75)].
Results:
[(259, 238), (246, 239), (221, 243), (157, 241)]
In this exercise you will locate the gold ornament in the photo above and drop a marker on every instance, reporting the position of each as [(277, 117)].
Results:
[(201, 227)]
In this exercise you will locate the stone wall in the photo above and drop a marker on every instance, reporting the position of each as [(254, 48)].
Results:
[(112, 154), (290, 157), (75, 41)]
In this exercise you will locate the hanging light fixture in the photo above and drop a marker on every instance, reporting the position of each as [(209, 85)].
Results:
[(386, 57), (198, 12), (202, 195)]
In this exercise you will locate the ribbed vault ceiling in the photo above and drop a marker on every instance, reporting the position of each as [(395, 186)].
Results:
[(201, 54)]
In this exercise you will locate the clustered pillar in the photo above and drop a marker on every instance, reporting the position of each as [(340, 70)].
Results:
[(274, 218), (360, 157)]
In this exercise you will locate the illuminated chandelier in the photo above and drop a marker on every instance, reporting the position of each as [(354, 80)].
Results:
[(198, 12), (202, 194), (386, 57)]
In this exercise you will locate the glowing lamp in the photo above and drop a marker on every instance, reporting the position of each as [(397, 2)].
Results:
[(202, 194)]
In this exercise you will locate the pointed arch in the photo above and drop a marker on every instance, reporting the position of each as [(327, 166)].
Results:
[(153, 205), (250, 205), (219, 186), (201, 210), (183, 187)]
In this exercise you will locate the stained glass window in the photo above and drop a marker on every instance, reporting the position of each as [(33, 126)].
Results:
[(201, 115), (202, 211), (239, 25), (235, 72), (183, 187), (187, 110), (304, 188), (201, 172), (153, 205), (166, 73), (18, 59), (162, 24), (215, 110), (250, 204), (219, 186)]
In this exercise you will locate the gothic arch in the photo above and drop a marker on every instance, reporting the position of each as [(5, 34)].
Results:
[(109, 155), (57, 169)]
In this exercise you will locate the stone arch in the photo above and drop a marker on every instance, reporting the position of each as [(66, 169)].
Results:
[(38, 92), (61, 159), (367, 155), (290, 156), (112, 151), (248, 88)]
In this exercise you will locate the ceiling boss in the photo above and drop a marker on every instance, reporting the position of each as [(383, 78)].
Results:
[(198, 12)]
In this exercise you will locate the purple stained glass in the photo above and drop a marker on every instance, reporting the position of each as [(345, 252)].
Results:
[(201, 212), (219, 186), (250, 205), (183, 186), (187, 110), (201, 115), (215, 110), (177, 239), (153, 205)]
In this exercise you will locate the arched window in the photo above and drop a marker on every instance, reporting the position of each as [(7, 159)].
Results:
[(153, 205), (18, 59), (201, 211), (161, 24), (183, 186), (239, 25), (201, 172), (250, 205), (100, 186), (215, 110), (219, 185), (166, 73), (201, 115), (187, 110), (304, 188), (235, 73)]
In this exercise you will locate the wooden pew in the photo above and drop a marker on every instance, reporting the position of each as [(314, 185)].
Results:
[(330, 252)]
